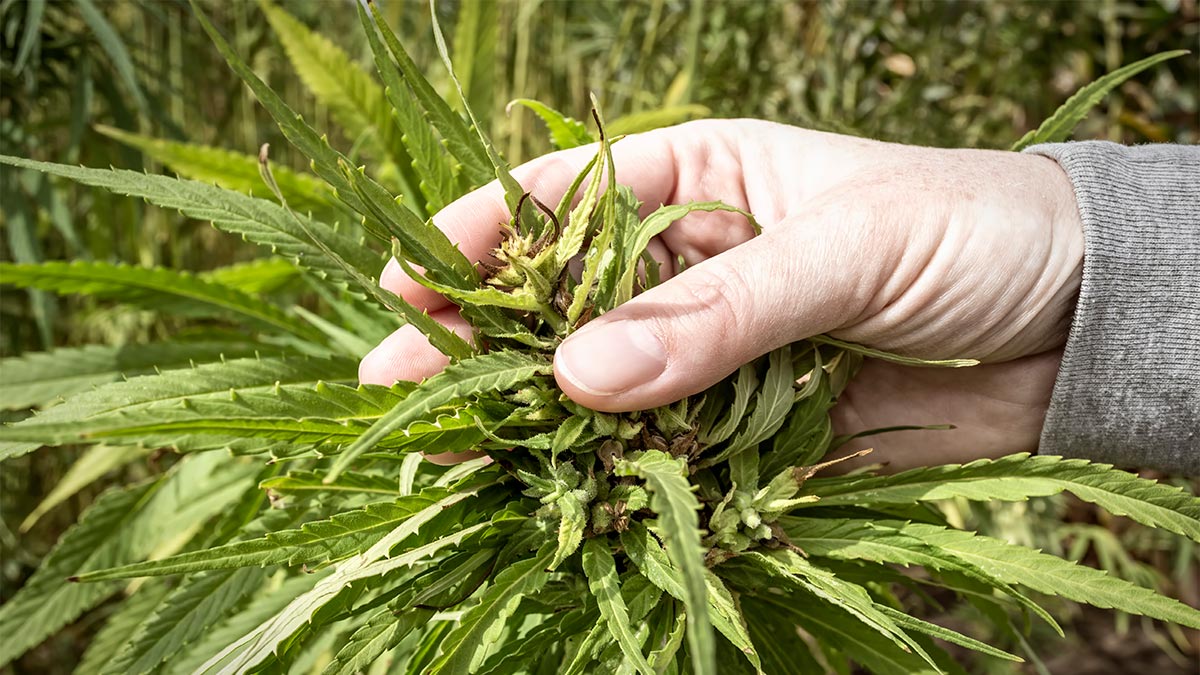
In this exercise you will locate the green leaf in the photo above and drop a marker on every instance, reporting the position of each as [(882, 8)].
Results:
[(184, 615), (91, 465), (314, 543), (437, 181), (771, 406), (263, 641), (257, 277), (382, 631), (783, 651), (912, 623), (497, 371), (635, 241), (1059, 125), (257, 220), (154, 288), (305, 482), (170, 390), (601, 572), (648, 120), (39, 378), (245, 420), (121, 526), (1018, 477), (119, 627), (273, 598), (460, 141), (1050, 574), (230, 170), (571, 526), (745, 384), (34, 10), (565, 132), (728, 619), (788, 567), (353, 98), (672, 499), (834, 626), (110, 42), (517, 581), (848, 539), (429, 246)]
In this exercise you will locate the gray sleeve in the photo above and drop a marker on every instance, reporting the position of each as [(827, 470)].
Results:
[(1128, 390)]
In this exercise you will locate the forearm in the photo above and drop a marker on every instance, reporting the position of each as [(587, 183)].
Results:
[(1128, 391)]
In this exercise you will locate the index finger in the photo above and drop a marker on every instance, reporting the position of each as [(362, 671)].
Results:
[(648, 162)]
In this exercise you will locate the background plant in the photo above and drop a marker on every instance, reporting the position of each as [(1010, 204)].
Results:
[(285, 333)]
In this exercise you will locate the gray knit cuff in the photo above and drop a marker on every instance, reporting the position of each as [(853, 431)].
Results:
[(1128, 390)]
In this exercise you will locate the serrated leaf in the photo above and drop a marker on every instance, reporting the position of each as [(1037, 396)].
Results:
[(833, 626), (571, 526), (462, 143), (304, 482), (155, 288), (565, 132), (118, 628), (1018, 477), (782, 651), (912, 623), (91, 465), (437, 181), (1059, 125), (1050, 574), (259, 644), (314, 543), (771, 406), (538, 642), (196, 605), (497, 371), (382, 631), (271, 600), (788, 567), (230, 170), (132, 407), (635, 240), (38, 378), (744, 385), (121, 526), (257, 220), (601, 571), (506, 591), (672, 499), (257, 277), (429, 246), (848, 539), (723, 605), (353, 98)]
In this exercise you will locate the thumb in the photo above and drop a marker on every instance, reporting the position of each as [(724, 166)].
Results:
[(685, 335)]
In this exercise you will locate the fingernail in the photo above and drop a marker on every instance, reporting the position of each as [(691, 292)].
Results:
[(611, 359)]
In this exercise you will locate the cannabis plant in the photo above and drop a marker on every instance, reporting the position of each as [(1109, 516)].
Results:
[(301, 528)]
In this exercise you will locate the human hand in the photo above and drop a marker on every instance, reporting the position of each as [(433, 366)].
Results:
[(926, 252)]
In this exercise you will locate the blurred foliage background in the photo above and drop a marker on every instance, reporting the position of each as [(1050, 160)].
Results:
[(933, 72)]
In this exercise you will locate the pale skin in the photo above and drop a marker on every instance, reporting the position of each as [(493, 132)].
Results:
[(926, 252)]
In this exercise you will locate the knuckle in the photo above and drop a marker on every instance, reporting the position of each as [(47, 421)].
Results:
[(722, 292)]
